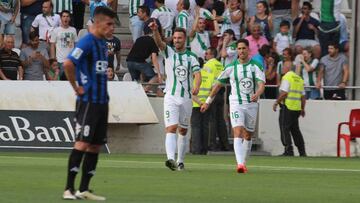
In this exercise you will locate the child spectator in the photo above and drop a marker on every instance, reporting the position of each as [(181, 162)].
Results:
[(283, 39), (54, 71)]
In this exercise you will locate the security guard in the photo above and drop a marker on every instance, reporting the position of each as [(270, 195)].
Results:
[(292, 95), (200, 121)]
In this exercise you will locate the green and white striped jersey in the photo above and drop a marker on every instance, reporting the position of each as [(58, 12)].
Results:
[(60, 5), (243, 79), (184, 20), (200, 43), (166, 18), (231, 54), (133, 6), (330, 10), (179, 70), (205, 14), (310, 77)]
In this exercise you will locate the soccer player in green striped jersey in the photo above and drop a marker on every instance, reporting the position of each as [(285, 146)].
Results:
[(181, 66), (247, 84)]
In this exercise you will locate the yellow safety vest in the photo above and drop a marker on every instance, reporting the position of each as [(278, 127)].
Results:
[(293, 99), (215, 66), (207, 80)]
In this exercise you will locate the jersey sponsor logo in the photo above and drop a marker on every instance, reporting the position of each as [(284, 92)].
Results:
[(247, 85), (101, 67), (77, 53), (181, 73)]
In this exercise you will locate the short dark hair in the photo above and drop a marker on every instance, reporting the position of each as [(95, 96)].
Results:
[(231, 32), (285, 23), (145, 9), (146, 28), (245, 41), (265, 50), (52, 60), (65, 11), (213, 51), (160, 1), (51, 3), (103, 10), (33, 35), (308, 4), (186, 4), (334, 44), (179, 29), (200, 2)]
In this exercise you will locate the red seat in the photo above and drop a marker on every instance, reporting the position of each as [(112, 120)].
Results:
[(354, 128)]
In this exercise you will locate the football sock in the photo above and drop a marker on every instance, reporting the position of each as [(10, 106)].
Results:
[(88, 170), (238, 150), (73, 168), (170, 145), (182, 140), (246, 149)]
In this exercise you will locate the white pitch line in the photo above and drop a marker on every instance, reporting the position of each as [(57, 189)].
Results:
[(278, 168)]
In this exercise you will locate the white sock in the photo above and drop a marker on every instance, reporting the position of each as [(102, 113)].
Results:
[(238, 150), (182, 141), (246, 149), (170, 145)]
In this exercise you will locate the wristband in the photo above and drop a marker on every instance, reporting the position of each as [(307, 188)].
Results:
[(209, 100)]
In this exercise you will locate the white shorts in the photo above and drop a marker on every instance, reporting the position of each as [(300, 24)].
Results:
[(177, 111), (244, 115)]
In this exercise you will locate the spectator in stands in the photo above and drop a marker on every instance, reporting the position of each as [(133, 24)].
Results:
[(78, 14), (344, 36), (284, 65), (308, 70), (334, 69), (46, 23), (305, 31), (166, 18), (136, 60), (271, 75), (329, 28), (283, 39), (199, 37), (92, 6), (251, 8), (218, 127), (232, 18), (10, 64), (29, 10), (34, 59), (9, 9), (262, 55), (184, 18), (264, 18), (203, 11), (62, 41), (61, 5), (114, 48), (282, 11), (143, 13), (54, 71), (256, 39), (110, 74), (136, 25), (227, 47)]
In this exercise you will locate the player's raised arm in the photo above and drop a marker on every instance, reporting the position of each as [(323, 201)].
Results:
[(156, 35)]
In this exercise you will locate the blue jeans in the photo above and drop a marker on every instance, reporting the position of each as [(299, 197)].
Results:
[(136, 27), (136, 68), (26, 21), (312, 94)]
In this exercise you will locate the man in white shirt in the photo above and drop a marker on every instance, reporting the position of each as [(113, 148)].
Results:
[(62, 40), (46, 22)]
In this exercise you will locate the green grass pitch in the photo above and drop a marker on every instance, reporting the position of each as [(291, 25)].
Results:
[(40, 177)]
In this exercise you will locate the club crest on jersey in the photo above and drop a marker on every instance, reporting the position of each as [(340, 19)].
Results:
[(101, 67), (77, 53), (181, 73), (246, 85)]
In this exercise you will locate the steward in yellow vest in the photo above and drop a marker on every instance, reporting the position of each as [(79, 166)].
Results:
[(292, 95)]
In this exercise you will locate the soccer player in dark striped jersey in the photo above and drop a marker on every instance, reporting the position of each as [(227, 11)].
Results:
[(247, 82), (85, 69)]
